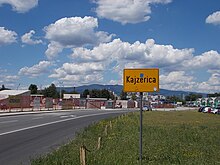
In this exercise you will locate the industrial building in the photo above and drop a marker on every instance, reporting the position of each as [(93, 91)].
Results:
[(14, 99)]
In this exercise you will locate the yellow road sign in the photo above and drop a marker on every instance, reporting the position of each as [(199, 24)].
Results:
[(141, 80)]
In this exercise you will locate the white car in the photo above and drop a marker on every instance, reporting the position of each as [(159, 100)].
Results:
[(216, 110), (207, 110)]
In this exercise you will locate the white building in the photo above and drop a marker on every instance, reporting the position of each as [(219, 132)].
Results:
[(4, 94)]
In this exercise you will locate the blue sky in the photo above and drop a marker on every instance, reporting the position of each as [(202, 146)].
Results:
[(91, 41)]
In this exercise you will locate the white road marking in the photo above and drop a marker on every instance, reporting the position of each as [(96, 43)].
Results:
[(64, 116), (10, 121), (67, 116), (35, 118), (54, 122)]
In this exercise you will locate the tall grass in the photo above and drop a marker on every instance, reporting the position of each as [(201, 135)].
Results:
[(176, 137)]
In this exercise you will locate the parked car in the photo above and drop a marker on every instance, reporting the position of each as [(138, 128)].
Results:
[(200, 109), (146, 108), (203, 109), (216, 110), (207, 109)]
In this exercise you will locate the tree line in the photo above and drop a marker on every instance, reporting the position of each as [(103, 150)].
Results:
[(51, 91), (95, 93)]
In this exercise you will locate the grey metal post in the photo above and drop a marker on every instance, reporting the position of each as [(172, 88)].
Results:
[(141, 123)]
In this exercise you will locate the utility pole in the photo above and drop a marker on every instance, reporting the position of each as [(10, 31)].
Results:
[(61, 84), (18, 86)]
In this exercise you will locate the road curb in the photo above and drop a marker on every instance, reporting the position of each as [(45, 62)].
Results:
[(5, 114)]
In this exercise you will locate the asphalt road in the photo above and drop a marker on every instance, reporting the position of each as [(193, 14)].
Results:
[(24, 137)]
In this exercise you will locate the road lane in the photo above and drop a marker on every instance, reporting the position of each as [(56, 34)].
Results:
[(28, 121), (10, 121), (21, 144)]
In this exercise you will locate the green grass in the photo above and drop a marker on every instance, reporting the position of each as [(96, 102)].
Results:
[(176, 137)]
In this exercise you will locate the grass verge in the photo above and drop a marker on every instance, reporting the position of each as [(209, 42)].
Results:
[(177, 137)]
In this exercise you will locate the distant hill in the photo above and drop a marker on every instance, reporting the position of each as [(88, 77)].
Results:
[(118, 88)]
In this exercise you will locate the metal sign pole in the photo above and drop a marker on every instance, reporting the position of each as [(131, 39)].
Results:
[(141, 122), (141, 80)]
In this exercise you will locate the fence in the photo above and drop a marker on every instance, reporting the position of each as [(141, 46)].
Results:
[(39, 103)]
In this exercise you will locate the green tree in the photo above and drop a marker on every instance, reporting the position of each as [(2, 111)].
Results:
[(51, 91), (123, 95), (214, 95), (174, 99), (85, 93), (112, 96), (33, 88), (3, 87), (193, 97), (133, 96), (105, 93), (95, 93)]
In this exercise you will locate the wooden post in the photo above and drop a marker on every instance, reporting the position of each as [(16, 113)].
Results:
[(106, 130), (110, 124), (82, 155), (99, 143)]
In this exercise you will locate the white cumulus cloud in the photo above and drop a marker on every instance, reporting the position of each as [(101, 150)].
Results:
[(7, 36), (214, 80), (53, 49), (35, 70), (177, 80), (126, 11), (210, 86), (74, 68), (146, 54), (8, 80), (73, 32), (83, 73), (209, 60), (178, 67), (214, 18), (27, 38), (116, 55), (20, 6), (182, 81)]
